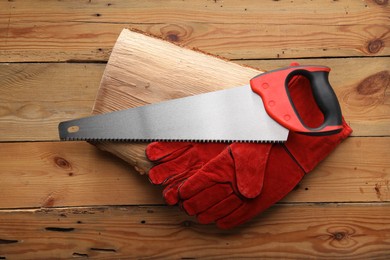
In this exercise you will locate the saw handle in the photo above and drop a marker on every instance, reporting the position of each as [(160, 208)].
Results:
[(272, 86)]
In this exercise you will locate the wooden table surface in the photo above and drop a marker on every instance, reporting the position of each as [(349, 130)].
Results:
[(69, 200)]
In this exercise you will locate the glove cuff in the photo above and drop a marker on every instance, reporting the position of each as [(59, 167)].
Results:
[(308, 151)]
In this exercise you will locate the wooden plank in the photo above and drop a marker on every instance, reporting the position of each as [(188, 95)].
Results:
[(58, 31), (78, 174), (36, 96), (62, 41), (345, 231), (230, 11), (68, 174)]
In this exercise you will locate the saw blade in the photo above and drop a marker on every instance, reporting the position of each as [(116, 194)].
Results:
[(235, 114)]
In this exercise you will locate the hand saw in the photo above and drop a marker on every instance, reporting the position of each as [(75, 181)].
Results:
[(261, 111)]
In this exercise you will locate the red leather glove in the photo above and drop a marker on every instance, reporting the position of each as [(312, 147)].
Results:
[(286, 165), (229, 189), (176, 161), (282, 173), (239, 169)]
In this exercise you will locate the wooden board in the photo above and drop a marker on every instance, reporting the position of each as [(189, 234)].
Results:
[(287, 232), (35, 97), (74, 30), (50, 174)]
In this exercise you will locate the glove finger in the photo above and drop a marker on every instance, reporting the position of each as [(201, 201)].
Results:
[(281, 178), (180, 177), (171, 193), (166, 151), (218, 170), (206, 198), (219, 210), (194, 185), (162, 172), (240, 215), (189, 156)]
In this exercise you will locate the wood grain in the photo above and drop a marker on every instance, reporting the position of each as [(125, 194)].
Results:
[(34, 98), (71, 30), (56, 174), (68, 174), (348, 231)]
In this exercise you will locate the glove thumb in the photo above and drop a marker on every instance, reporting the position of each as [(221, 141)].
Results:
[(250, 161)]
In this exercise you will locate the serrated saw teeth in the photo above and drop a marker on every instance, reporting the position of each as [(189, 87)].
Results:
[(118, 140)]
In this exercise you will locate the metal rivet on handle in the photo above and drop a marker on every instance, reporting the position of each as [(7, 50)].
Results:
[(73, 129)]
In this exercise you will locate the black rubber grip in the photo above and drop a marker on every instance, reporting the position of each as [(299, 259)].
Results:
[(325, 98)]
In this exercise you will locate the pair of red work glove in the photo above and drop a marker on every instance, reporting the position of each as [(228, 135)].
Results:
[(231, 183)]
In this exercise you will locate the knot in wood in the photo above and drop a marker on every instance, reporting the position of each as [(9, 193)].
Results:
[(62, 163), (381, 2), (175, 33), (173, 37), (339, 235), (375, 46), (374, 84)]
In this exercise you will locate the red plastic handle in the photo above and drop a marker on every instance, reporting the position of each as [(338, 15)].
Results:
[(273, 88)]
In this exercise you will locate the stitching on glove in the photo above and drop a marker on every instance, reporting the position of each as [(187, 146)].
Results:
[(293, 157)]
